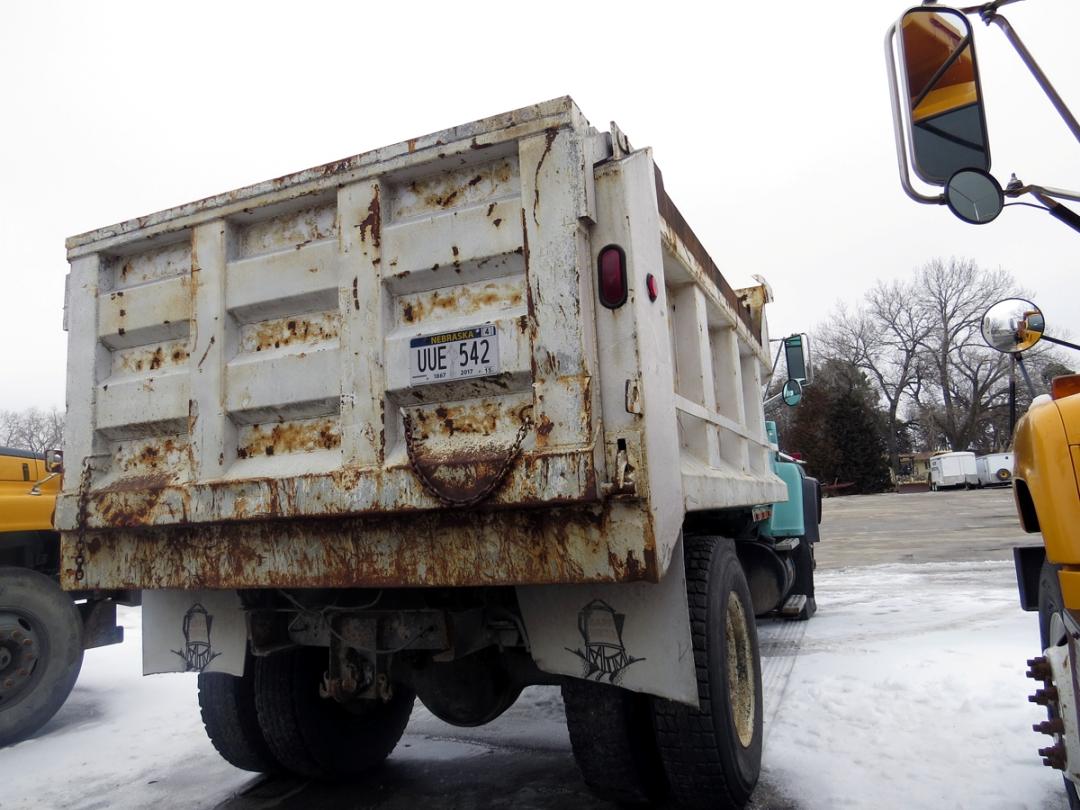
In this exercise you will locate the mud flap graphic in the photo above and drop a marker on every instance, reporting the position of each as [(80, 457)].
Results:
[(197, 652), (634, 635), (193, 631), (605, 655)]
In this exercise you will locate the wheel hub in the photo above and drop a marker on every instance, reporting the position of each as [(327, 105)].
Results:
[(740, 668), (19, 651)]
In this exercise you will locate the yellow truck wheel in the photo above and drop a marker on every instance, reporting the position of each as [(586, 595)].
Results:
[(1052, 634), (41, 651)]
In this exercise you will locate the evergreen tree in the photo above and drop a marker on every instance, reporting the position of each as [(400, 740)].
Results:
[(839, 430)]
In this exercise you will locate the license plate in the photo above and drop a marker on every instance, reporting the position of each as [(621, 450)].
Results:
[(472, 352)]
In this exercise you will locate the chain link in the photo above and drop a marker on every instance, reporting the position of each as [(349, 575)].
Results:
[(80, 522), (411, 447)]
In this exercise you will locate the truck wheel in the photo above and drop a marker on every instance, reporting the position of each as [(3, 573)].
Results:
[(318, 737), (611, 732), (1052, 634), (804, 578), (712, 755), (41, 651), (227, 703)]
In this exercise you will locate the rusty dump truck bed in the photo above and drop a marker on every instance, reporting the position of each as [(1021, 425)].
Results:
[(251, 400)]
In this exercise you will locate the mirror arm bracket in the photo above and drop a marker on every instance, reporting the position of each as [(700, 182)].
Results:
[(898, 126), (1057, 210), (1019, 359), (989, 15), (1060, 342), (1017, 189)]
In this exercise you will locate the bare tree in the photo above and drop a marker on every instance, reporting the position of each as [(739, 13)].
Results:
[(885, 339), (965, 374), (33, 429)]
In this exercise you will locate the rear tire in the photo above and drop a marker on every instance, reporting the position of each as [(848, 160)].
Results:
[(611, 732), (41, 651), (318, 737), (1052, 634), (712, 755), (804, 578), (228, 710)]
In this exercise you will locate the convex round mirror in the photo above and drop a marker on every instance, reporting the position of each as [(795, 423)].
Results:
[(1013, 325), (792, 393), (974, 196)]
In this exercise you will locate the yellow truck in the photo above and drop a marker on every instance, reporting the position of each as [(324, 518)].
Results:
[(43, 630), (941, 141), (1046, 453)]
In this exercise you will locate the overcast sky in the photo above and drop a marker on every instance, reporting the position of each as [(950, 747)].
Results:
[(770, 122)]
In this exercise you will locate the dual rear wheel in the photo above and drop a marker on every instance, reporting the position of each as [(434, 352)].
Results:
[(630, 747), (635, 748), (273, 719)]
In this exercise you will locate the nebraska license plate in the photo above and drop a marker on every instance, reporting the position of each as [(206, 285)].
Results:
[(472, 352)]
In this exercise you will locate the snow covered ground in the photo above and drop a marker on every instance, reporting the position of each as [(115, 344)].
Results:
[(906, 691)]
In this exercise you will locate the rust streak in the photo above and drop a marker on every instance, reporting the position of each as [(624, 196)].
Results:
[(549, 134), (372, 223), (208, 345)]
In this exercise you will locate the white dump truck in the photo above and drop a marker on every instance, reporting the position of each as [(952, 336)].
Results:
[(441, 420)]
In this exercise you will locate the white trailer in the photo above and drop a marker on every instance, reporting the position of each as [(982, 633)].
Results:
[(444, 419), (953, 470), (995, 469)]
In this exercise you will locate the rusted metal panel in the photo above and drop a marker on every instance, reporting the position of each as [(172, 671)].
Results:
[(249, 364), (146, 495), (476, 137), (610, 543)]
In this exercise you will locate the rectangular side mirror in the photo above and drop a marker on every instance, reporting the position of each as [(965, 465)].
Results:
[(946, 121), (797, 357)]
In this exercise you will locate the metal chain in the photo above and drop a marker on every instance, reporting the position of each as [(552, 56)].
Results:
[(432, 486), (80, 522)]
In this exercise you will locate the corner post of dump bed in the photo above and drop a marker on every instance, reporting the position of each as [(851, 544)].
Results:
[(557, 269), (360, 296), (214, 339), (83, 351)]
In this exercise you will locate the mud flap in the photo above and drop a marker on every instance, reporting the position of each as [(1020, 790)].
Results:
[(193, 631), (634, 635)]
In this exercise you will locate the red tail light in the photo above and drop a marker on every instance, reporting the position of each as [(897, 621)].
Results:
[(611, 269)]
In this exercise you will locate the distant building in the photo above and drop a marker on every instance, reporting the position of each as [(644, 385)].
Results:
[(914, 467)]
